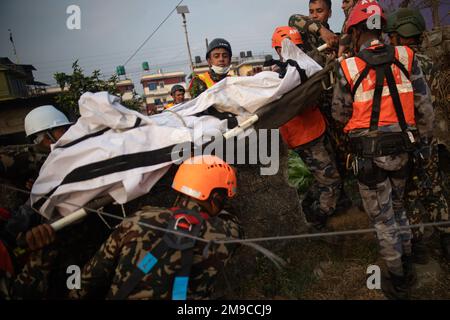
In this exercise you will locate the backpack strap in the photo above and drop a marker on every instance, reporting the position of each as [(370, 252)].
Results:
[(185, 221)]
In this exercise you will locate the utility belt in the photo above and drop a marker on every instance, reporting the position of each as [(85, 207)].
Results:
[(383, 144)]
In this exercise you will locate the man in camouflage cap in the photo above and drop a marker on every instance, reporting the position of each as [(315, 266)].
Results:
[(218, 55), (425, 187), (144, 263), (315, 31)]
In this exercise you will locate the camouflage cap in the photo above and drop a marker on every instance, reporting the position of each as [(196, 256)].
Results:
[(409, 23), (390, 25)]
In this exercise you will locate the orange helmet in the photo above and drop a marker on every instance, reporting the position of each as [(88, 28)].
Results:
[(200, 175), (285, 32), (362, 11)]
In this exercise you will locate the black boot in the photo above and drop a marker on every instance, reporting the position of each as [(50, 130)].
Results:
[(409, 270), (314, 215), (445, 245), (420, 253), (395, 287)]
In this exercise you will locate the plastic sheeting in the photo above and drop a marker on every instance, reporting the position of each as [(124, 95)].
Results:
[(108, 135)]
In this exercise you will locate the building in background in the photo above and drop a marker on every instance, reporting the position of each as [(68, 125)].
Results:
[(19, 94), (17, 81), (157, 89), (126, 89)]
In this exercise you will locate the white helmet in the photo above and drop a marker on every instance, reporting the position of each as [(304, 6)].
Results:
[(44, 118)]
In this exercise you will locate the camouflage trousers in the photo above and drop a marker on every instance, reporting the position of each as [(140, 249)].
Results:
[(319, 157), (383, 202), (425, 197)]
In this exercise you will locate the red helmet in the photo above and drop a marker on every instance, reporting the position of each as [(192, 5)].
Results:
[(362, 11), (285, 32)]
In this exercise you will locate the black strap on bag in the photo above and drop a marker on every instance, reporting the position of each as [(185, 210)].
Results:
[(283, 68), (212, 111), (169, 243)]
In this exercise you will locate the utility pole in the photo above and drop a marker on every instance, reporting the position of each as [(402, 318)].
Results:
[(435, 13), (183, 10), (13, 45)]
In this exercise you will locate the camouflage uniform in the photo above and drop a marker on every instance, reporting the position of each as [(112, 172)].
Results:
[(42, 273), (425, 186), (20, 163), (197, 86), (32, 282), (309, 29), (384, 202), (118, 257), (319, 158)]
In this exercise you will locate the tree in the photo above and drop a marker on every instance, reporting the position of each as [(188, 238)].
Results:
[(75, 84)]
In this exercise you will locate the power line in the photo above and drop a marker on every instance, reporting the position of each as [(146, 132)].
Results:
[(151, 35)]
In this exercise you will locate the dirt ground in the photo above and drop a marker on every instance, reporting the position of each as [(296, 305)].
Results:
[(335, 268)]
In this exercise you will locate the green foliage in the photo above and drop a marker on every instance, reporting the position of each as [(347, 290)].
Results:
[(135, 103), (77, 84), (299, 175)]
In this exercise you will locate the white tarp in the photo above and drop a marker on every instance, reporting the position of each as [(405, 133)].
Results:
[(241, 96)]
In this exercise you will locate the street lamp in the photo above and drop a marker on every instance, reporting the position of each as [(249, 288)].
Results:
[(183, 10)]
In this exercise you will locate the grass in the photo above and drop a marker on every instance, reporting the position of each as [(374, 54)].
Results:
[(336, 269)]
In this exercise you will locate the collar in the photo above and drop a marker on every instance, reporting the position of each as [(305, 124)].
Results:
[(370, 43), (216, 77)]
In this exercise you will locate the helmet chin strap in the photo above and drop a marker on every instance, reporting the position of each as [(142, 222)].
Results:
[(50, 136)]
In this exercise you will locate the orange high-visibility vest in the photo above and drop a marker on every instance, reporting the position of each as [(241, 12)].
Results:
[(363, 98), (206, 78), (304, 128), (169, 105)]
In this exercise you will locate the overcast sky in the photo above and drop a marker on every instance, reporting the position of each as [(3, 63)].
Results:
[(111, 30)]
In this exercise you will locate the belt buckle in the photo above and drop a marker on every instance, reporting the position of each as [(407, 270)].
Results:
[(177, 224)]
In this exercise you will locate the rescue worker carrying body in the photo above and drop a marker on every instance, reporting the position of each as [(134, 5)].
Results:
[(305, 134), (219, 60), (314, 28), (144, 263), (44, 126), (177, 92), (381, 97), (315, 31), (405, 27)]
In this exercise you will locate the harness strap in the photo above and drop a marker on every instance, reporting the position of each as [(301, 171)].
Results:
[(143, 268), (395, 97), (361, 77), (181, 218), (377, 96)]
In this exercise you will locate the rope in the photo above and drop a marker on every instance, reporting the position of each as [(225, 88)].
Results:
[(251, 242)]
